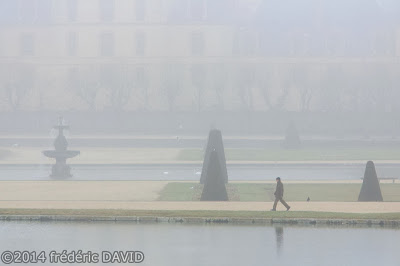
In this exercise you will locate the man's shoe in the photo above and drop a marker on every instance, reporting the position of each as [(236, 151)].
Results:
[(288, 208), (273, 210)]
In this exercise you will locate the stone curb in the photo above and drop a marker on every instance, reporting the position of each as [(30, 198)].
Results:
[(204, 220)]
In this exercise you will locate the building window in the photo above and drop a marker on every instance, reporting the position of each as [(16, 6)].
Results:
[(107, 10), (197, 43), (177, 11), (244, 43), (140, 43), (44, 9), (140, 10), (107, 44), (27, 45), (72, 9), (35, 11), (197, 9), (220, 10), (8, 11), (72, 40), (27, 11)]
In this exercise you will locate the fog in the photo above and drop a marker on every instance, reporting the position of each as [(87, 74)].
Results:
[(143, 81), (135, 111), (245, 66), (145, 74)]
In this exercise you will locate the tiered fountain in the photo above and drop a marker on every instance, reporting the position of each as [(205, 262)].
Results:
[(61, 170)]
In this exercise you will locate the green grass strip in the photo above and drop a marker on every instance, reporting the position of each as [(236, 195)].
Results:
[(248, 192)]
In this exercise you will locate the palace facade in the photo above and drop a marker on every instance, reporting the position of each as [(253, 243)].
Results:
[(192, 55)]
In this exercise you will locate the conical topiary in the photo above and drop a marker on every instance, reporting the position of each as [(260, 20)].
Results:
[(214, 185), (214, 142), (370, 190)]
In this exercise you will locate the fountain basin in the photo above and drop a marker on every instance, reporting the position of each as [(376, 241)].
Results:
[(61, 154)]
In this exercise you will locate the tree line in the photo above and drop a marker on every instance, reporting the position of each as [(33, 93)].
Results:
[(325, 87)]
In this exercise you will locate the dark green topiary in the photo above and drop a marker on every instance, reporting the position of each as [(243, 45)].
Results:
[(370, 190), (214, 142), (214, 186), (292, 138)]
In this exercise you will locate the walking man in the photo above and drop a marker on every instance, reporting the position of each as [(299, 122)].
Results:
[(279, 195)]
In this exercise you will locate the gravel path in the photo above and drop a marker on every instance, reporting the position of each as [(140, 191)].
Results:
[(142, 195), (80, 190)]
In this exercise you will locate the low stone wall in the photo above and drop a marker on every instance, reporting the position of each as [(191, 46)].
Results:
[(205, 220)]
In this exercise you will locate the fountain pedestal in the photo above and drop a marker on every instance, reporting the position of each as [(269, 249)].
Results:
[(61, 170)]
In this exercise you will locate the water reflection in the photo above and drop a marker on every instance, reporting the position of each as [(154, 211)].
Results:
[(279, 239), (199, 245)]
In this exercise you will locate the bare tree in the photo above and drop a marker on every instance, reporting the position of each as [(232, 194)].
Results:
[(18, 83), (274, 86), (282, 98), (378, 84), (334, 80), (86, 84), (141, 83), (303, 85), (265, 80), (199, 83), (354, 88), (220, 78), (118, 81), (395, 88), (172, 84), (245, 82)]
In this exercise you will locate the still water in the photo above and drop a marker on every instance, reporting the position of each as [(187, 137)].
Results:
[(177, 244)]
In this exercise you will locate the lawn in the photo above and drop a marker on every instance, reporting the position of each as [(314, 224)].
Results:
[(293, 192), (304, 154)]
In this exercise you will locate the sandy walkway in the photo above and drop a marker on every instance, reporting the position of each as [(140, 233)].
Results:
[(80, 190), (142, 195)]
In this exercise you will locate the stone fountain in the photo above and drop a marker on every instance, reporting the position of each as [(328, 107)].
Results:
[(61, 170)]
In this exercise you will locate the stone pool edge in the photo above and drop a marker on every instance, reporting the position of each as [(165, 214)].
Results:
[(204, 220)]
